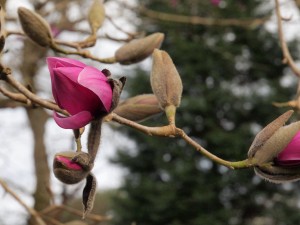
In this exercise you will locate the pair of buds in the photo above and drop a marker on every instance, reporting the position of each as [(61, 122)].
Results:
[(275, 151)]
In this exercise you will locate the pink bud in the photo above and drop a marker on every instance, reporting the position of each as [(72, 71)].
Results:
[(290, 155), (68, 163), (82, 90)]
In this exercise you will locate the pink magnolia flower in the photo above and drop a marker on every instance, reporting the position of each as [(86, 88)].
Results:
[(215, 2), (82, 90), (290, 155)]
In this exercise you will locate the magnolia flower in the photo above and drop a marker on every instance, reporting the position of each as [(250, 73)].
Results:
[(82, 90), (290, 155), (275, 151)]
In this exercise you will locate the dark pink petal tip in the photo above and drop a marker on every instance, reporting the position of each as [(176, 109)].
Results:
[(290, 155), (73, 122), (68, 163), (55, 62)]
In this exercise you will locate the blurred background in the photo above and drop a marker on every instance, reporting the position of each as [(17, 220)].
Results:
[(231, 72)]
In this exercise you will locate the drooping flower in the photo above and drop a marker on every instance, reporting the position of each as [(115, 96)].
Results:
[(82, 90), (290, 155)]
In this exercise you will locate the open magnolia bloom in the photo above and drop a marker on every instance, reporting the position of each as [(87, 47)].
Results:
[(84, 91), (275, 151)]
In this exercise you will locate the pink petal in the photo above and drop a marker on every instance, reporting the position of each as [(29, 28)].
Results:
[(73, 97), (51, 65), (71, 72), (64, 62), (290, 155), (73, 122), (96, 81), (68, 163)]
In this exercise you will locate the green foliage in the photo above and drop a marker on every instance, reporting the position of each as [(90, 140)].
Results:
[(230, 77)]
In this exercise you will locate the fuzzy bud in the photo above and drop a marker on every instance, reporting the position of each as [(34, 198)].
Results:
[(272, 139), (96, 15), (139, 49), (138, 108), (35, 27), (275, 151), (165, 80), (67, 170)]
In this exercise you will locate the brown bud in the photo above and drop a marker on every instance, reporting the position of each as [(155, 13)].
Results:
[(89, 193), (278, 174), (35, 27), (165, 80), (117, 86), (138, 108), (139, 49), (71, 167), (273, 139), (96, 15)]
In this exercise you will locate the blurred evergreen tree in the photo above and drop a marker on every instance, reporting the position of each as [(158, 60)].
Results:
[(230, 76)]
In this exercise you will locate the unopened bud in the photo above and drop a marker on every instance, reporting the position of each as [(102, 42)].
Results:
[(96, 15), (139, 49), (67, 170), (269, 141), (138, 108), (278, 174), (165, 80), (274, 151), (35, 27)]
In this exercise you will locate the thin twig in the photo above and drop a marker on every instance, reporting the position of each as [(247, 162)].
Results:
[(120, 28), (34, 98), (172, 131), (31, 211), (84, 54), (79, 213), (286, 53), (196, 20), (15, 96)]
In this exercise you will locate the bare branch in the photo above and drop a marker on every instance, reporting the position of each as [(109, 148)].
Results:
[(286, 53), (196, 20), (31, 211)]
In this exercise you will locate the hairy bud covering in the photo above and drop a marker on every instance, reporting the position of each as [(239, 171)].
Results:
[(139, 49), (165, 80), (138, 108), (35, 27), (67, 170), (96, 15)]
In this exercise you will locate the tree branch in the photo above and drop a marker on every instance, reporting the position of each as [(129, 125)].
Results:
[(286, 53), (197, 20), (31, 211)]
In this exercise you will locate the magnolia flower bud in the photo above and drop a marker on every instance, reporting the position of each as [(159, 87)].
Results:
[(275, 151), (138, 108), (96, 15), (67, 170), (35, 27), (139, 49), (165, 80), (266, 145)]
